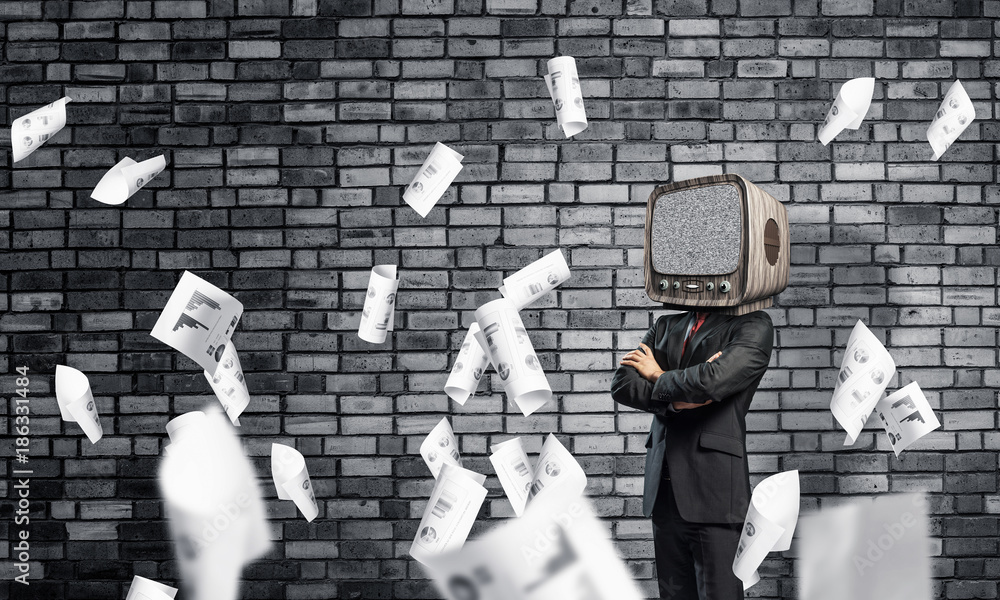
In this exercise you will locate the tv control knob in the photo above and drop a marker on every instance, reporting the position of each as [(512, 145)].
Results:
[(677, 285), (724, 287), (663, 284), (710, 286)]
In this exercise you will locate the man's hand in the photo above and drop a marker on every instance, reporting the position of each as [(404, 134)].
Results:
[(678, 405), (642, 361)]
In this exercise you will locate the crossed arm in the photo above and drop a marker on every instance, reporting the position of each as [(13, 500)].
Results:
[(642, 384)]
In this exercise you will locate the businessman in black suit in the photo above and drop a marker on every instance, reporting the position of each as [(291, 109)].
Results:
[(697, 373)]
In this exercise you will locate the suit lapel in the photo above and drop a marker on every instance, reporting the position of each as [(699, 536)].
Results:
[(712, 323), (675, 339)]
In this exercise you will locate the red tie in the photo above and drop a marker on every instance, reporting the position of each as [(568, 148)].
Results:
[(701, 319)]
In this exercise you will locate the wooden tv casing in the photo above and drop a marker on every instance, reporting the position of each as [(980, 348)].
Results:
[(754, 281)]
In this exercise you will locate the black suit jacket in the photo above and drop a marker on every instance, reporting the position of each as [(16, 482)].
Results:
[(704, 448)]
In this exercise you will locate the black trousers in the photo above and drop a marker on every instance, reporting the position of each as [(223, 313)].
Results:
[(694, 561)]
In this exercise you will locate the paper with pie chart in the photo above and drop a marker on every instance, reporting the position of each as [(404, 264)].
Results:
[(126, 178), (291, 479), (450, 513), (559, 550), (769, 524), (536, 280), (29, 132), (76, 402), (229, 385), (514, 470), (503, 336), (556, 469), (379, 311), (849, 108), (956, 113), (147, 589), (440, 447), (212, 499), (864, 374), (198, 321), (468, 369), (440, 168), (906, 416), (563, 84)]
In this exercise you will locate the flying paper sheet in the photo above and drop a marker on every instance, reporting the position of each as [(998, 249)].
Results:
[(450, 513), (514, 471), (229, 385), (432, 180), (556, 468), (906, 416), (76, 402), (198, 321), (468, 369), (536, 280), (214, 505), (956, 113), (147, 589), (505, 339), (864, 375), (849, 109), (291, 479), (379, 311), (564, 88), (440, 447), (769, 524), (29, 132), (866, 551), (126, 178), (559, 550)]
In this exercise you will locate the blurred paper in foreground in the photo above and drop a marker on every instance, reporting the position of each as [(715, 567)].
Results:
[(769, 525), (849, 108), (955, 115), (126, 178), (865, 551), (29, 132), (214, 505), (147, 589), (450, 512), (468, 369), (198, 321), (559, 550), (291, 479), (864, 374), (76, 402)]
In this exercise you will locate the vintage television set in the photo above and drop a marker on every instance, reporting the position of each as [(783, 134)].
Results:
[(715, 244)]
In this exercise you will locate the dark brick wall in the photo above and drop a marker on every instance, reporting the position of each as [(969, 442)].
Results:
[(290, 128)]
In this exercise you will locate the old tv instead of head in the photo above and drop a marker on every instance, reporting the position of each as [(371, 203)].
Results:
[(715, 244)]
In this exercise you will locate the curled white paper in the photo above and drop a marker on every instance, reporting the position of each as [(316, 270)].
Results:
[(291, 479), (537, 279), (198, 320), (506, 341), (514, 472), (379, 311), (440, 447), (76, 402), (849, 108), (29, 132), (147, 589), (956, 113), (864, 374), (906, 416), (450, 513), (468, 369), (213, 503), (556, 469), (564, 88), (769, 524), (432, 180), (229, 385), (126, 178)]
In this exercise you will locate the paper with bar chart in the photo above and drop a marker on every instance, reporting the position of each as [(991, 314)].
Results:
[(505, 339), (514, 470), (450, 513), (906, 416), (865, 372), (564, 87), (440, 447), (432, 180), (535, 280), (229, 385), (198, 321), (468, 369)]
